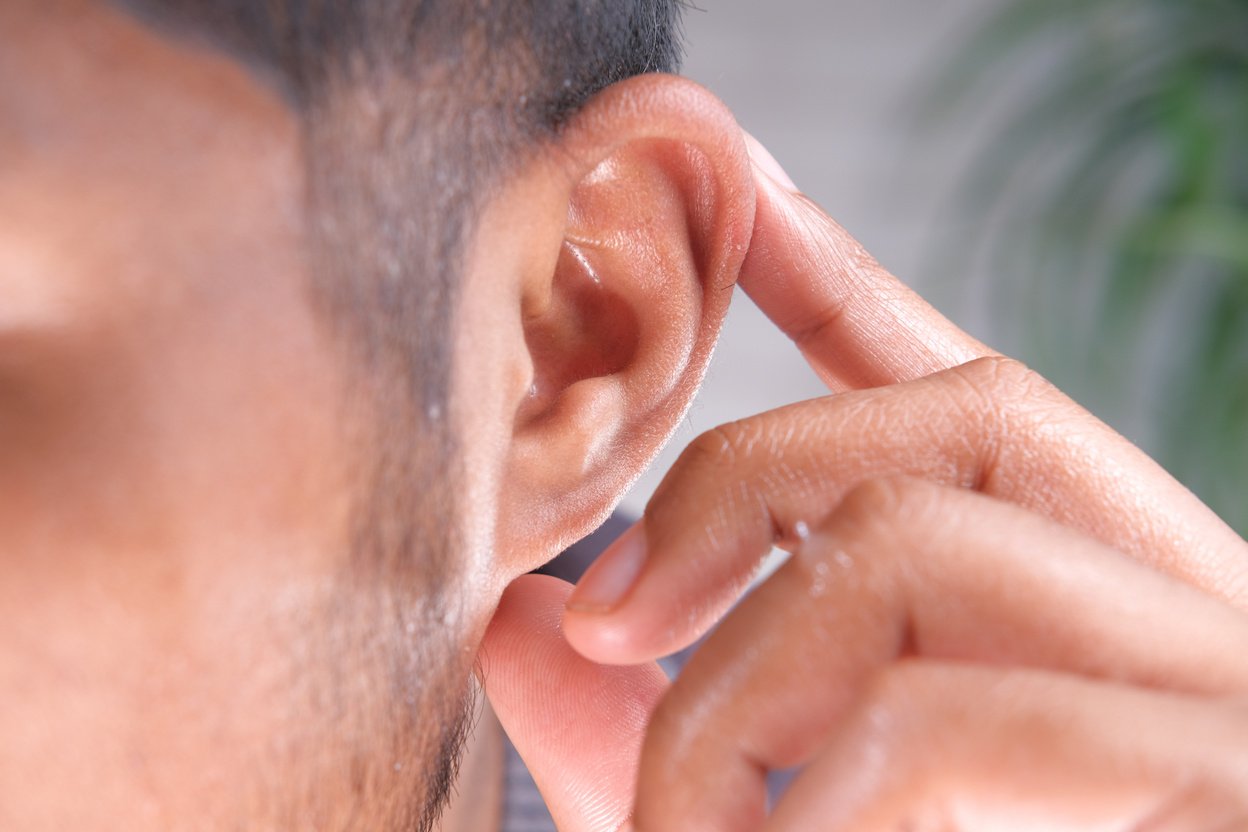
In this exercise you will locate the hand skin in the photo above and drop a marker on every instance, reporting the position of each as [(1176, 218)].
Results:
[(998, 612)]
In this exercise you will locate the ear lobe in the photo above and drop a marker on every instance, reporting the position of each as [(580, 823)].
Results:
[(619, 331)]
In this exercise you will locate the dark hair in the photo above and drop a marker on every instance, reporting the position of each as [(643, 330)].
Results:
[(411, 111), (559, 52)]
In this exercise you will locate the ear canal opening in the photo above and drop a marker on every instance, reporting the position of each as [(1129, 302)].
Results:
[(587, 331)]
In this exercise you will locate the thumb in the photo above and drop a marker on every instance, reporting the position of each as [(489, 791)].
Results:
[(577, 725)]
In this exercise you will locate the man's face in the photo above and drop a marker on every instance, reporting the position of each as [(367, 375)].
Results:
[(248, 554), (173, 459)]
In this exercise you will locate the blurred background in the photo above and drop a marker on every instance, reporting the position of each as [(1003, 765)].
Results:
[(1066, 179)]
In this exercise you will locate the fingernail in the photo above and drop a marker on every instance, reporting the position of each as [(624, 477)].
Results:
[(604, 586), (764, 161)]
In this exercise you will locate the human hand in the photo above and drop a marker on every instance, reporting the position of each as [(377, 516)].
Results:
[(935, 658), (945, 568), (939, 659)]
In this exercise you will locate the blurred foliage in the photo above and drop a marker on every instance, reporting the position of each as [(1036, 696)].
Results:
[(1114, 200)]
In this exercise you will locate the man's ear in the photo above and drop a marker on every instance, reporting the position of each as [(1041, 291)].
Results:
[(629, 228)]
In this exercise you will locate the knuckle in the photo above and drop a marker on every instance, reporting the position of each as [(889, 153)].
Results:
[(998, 372), (817, 325), (1004, 386), (872, 499), (878, 530), (673, 733), (1010, 406), (896, 727), (717, 499), (893, 702), (704, 465), (721, 447), (720, 461), (670, 750), (886, 507)]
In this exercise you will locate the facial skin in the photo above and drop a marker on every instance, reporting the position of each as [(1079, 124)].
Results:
[(173, 479), (186, 642)]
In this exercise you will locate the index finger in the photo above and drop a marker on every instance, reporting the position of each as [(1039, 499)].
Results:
[(857, 325)]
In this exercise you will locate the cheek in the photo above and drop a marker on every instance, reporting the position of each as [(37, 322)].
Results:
[(165, 395), (178, 456), (173, 465), (172, 505), (172, 516)]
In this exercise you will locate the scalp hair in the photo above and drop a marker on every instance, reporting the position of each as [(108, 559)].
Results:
[(411, 112)]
